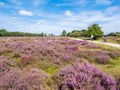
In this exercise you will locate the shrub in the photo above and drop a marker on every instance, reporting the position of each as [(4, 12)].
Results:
[(26, 60), (74, 42), (102, 59), (23, 80), (71, 47), (85, 77), (4, 65), (112, 54), (32, 80), (9, 80)]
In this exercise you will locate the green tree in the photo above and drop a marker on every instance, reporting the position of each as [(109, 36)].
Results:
[(75, 34), (83, 33), (95, 30), (3, 32), (64, 33), (68, 34)]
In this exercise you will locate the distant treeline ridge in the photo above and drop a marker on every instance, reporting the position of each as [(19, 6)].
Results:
[(4, 32)]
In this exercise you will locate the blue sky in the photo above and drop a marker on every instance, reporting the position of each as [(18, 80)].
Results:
[(53, 16)]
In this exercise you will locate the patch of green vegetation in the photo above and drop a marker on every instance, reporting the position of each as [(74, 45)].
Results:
[(111, 40), (10, 55), (109, 48), (51, 70), (112, 68), (47, 66)]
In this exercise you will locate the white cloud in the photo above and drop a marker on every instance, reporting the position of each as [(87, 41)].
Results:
[(68, 13), (2, 4), (103, 2), (26, 13), (56, 23)]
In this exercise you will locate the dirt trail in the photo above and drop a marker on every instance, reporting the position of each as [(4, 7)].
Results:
[(109, 44)]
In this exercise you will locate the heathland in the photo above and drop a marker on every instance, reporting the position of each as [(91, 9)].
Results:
[(55, 63)]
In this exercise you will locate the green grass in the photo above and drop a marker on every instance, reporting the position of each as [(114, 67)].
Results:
[(46, 66)]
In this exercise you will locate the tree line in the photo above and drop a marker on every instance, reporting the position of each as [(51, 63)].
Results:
[(93, 29), (115, 34), (4, 32)]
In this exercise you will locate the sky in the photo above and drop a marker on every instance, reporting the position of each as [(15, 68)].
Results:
[(54, 16)]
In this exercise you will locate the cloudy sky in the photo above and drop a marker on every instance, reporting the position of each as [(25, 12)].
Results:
[(53, 16)]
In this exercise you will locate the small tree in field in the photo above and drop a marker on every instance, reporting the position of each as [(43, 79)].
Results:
[(95, 30), (64, 33)]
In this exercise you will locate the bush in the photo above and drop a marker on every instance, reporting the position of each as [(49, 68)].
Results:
[(3, 66), (102, 59), (23, 80), (85, 77), (25, 60)]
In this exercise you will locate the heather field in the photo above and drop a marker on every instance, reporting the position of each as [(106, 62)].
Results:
[(114, 39), (111, 39), (54, 63)]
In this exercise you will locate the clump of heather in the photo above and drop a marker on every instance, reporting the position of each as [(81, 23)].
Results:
[(74, 47), (102, 59), (32, 79), (74, 42), (113, 54), (9, 80), (83, 42), (25, 60), (6, 64), (18, 44), (85, 77), (91, 46), (3, 65)]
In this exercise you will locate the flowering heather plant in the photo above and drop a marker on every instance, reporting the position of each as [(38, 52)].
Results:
[(101, 52), (85, 77), (102, 59), (23, 80), (32, 80), (3, 65), (113, 54), (18, 44), (66, 57), (25, 60), (71, 47), (6, 64), (9, 80), (92, 46), (74, 42), (83, 42), (28, 50), (57, 61)]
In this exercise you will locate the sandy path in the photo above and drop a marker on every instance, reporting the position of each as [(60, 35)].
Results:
[(109, 44)]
